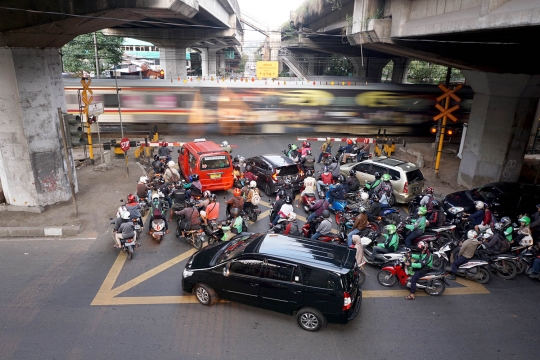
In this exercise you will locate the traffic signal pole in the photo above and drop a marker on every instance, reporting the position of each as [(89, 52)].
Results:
[(87, 101)]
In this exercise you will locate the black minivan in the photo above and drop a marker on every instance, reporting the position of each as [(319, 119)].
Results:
[(271, 171), (316, 281)]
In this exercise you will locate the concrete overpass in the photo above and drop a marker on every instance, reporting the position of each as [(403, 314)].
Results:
[(33, 169), (491, 41)]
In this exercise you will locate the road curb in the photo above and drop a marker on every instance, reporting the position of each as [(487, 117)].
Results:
[(45, 231)]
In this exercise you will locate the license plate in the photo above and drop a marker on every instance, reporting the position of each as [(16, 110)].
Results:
[(137, 227), (129, 243), (215, 176), (158, 232)]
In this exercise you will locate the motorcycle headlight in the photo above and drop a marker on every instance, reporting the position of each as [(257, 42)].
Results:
[(455, 209)]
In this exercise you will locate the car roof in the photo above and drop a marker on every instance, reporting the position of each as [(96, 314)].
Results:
[(203, 147), (278, 159), (405, 165), (506, 187), (308, 252)]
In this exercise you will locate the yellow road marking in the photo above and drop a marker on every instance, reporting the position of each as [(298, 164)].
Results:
[(470, 288)]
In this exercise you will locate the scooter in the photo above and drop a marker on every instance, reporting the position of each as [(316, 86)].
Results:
[(137, 226), (126, 245), (433, 283), (474, 269), (381, 259), (310, 228), (307, 200), (157, 229), (145, 206), (336, 205), (213, 231)]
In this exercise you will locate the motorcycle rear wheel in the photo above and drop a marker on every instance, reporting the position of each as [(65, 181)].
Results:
[(253, 216), (443, 239), (129, 252), (197, 241), (438, 263), (437, 288), (483, 277), (521, 265), (506, 270), (386, 278), (361, 276)]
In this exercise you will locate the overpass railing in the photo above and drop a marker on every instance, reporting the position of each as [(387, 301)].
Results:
[(297, 66)]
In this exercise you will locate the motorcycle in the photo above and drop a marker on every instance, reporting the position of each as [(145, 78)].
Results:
[(503, 265), (523, 258), (345, 220), (435, 237), (213, 231), (309, 229), (126, 245), (381, 259), (164, 203), (193, 237), (279, 228), (145, 206), (336, 205), (157, 229), (353, 157), (307, 200), (474, 269), (252, 212), (433, 283), (137, 226)]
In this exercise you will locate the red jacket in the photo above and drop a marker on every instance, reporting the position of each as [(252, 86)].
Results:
[(326, 178)]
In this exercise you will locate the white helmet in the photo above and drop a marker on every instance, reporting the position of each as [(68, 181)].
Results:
[(292, 216), (471, 234), (202, 213), (479, 205), (488, 233), (125, 215), (143, 179), (155, 196), (364, 196), (253, 184), (207, 194), (224, 143), (171, 163)]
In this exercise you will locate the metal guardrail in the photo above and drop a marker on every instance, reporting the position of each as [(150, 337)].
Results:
[(291, 60)]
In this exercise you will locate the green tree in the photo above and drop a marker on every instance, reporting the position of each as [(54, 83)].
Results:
[(338, 66), (243, 62), (78, 55), (421, 72), (387, 72)]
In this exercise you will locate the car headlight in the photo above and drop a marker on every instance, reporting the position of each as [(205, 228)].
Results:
[(455, 209), (187, 273)]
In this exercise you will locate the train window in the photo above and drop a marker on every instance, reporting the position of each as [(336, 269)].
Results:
[(110, 100)]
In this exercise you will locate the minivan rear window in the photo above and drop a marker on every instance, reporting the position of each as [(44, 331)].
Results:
[(287, 170), (317, 278), (414, 176), (214, 162)]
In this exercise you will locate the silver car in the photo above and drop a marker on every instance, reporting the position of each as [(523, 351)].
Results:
[(407, 179)]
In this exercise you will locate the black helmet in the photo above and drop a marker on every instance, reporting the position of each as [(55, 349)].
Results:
[(435, 204), (352, 172), (195, 177), (326, 214), (281, 193), (190, 202), (288, 199), (289, 146), (235, 212), (309, 173), (156, 157), (308, 152), (248, 167), (334, 159), (213, 197), (377, 175), (340, 179)]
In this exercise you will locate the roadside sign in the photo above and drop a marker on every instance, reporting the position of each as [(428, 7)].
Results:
[(267, 69), (124, 144), (95, 109)]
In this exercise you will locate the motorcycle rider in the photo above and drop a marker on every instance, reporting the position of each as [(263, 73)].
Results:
[(486, 220), (212, 210), (436, 217), (507, 228), (293, 153), (248, 205), (417, 227), (428, 198), (306, 146), (308, 161), (292, 227), (334, 167), (205, 200), (523, 230), (178, 195), (165, 190), (284, 211), (347, 150), (337, 191), (535, 223), (226, 147), (165, 151), (236, 202), (375, 209), (317, 208), (235, 227), (157, 165), (310, 186), (287, 187), (353, 184), (391, 242), (424, 263), (171, 174), (491, 244), (195, 188), (124, 229), (359, 226), (478, 216), (362, 151), (384, 199), (157, 213), (325, 227), (134, 208), (326, 179), (468, 248), (249, 175), (191, 213), (143, 190), (375, 186), (386, 185), (326, 148)]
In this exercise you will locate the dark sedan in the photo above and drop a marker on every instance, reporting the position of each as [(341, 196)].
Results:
[(504, 198), (273, 169)]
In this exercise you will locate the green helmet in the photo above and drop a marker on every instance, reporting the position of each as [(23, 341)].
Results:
[(294, 147), (386, 177), (526, 220), (422, 210), (391, 229)]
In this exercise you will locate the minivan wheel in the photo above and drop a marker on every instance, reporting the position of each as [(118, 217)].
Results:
[(205, 294), (267, 190), (310, 319)]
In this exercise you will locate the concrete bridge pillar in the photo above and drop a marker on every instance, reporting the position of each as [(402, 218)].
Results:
[(500, 123), (174, 62), (359, 70), (374, 69), (311, 64), (208, 62), (33, 169), (399, 72), (222, 64)]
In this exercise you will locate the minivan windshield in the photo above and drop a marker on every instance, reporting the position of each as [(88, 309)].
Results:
[(414, 176), (214, 162), (231, 250), (287, 170)]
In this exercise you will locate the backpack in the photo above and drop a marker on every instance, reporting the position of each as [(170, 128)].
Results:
[(429, 206), (295, 229), (505, 245), (442, 218), (256, 198)]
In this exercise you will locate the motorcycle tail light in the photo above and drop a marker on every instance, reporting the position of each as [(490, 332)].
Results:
[(347, 303), (379, 218), (406, 188)]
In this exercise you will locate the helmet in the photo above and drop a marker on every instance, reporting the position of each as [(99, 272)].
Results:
[(435, 204), (526, 220), (164, 144), (349, 141), (340, 179), (294, 147), (237, 192), (305, 144), (190, 202), (471, 234), (235, 212), (498, 226), (479, 205), (241, 159), (377, 175), (288, 199), (308, 144), (253, 184), (421, 245), (131, 198), (326, 214), (290, 146), (248, 168), (236, 158), (352, 172), (207, 194), (364, 196), (422, 210), (224, 144), (386, 177), (326, 169), (171, 163), (195, 177), (308, 152), (309, 173), (361, 208), (143, 179), (429, 190), (281, 193), (506, 221), (202, 213), (375, 197), (213, 197), (292, 216), (287, 181), (125, 215), (391, 229), (155, 197)]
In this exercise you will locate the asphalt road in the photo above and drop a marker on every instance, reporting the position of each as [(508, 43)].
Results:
[(80, 299)]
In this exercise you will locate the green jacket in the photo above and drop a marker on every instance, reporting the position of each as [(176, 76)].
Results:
[(419, 224), (390, 243), (237, 225), (419, 259), (373, 185), (508, 233)]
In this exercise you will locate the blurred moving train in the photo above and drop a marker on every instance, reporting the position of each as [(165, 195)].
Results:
[(401, 109)]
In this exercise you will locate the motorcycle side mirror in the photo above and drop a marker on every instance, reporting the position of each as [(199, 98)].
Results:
[(121, 200), (408, 249)]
